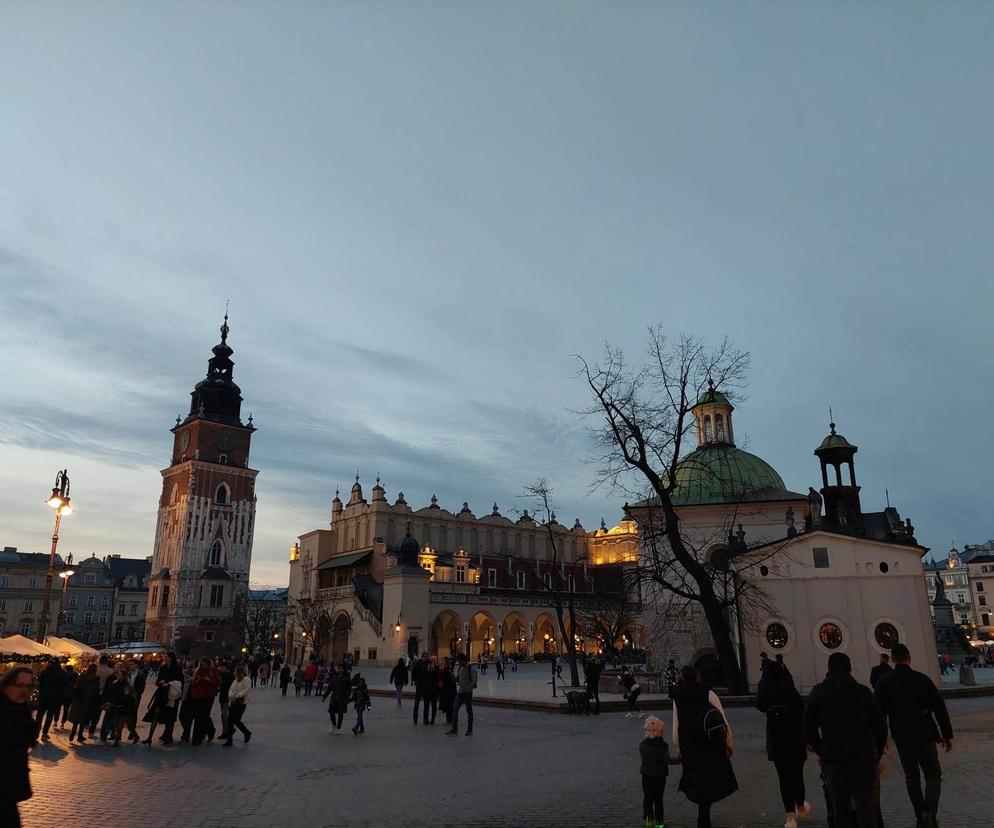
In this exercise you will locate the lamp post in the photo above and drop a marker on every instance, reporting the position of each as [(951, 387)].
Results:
[(58, 500), (65, 575)]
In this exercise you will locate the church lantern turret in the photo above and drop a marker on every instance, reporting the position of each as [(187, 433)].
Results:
[(835, 454), (713, 417)]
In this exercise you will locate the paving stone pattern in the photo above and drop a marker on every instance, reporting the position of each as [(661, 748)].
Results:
[(517, 769)]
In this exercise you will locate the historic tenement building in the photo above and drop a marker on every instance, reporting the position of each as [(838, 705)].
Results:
[(206, 518), (389, 580), (842, 579)]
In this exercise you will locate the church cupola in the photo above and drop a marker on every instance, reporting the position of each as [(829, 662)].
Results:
[(217, 397), (713, 416), (835, 453)]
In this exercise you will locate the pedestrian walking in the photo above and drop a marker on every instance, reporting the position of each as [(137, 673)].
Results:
[(703, 739), (434, 685), (592, 679), (104, 672), (284, 678), (50, 683), (400, 677), (17, 735), (465, 685), (310, 674), (340, 691), (321, 679), (918, 721), (253, 671), (223, 694), (238, 696), (777, 697), (264, 670), (113, 701), (65, 697), (85, 703), (186, 706), (127, 714), (360, 699), (421, 679), (655, 761), (298, 680), (844, 726), (203, 688), (164, 706), (447, 690), (880, 670), (500, 668)]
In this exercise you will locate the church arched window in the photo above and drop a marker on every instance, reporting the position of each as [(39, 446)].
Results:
[(222, 496), (214, 559), (719, 428), (707, 428), (174, 494)]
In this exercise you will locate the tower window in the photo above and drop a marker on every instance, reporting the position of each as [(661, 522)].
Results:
[(215, 556), (719, 428), (820, 556), (222, 496), (707, 428), (520, 578), (217, 596)]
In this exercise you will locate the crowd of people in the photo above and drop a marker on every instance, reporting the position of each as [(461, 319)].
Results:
[(848, 725)]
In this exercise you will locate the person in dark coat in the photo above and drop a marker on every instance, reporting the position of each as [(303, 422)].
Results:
[(50, 682), (432, 689), (284, 678), (447, 689), (777, 697), (85, 702), (17, 735), (844, 726), (422, 680), (360, 700), (164, 706), (918, 722), (592, 678), (707, 769), (203, 689), (340, 690), (881, 670), (655, 758), (400, 677), (65, 699)]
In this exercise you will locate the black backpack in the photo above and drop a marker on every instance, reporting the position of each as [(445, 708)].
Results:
[(714, 726)]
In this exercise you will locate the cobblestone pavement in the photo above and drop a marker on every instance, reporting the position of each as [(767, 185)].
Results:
[(518, 769)]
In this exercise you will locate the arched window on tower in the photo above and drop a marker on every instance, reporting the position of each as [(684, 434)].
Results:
[(719, 428), (214, 559), (222, 497), (707, 428)]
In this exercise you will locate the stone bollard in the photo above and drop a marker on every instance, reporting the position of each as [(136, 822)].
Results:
[(966, 676)]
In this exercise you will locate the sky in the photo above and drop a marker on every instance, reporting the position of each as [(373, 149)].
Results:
[(420, 212)]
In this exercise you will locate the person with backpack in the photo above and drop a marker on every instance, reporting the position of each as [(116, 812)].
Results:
[(465, 685), (359, 698), (777, 697), (655, 768), (844, 726), (703, 740), (340, 690)]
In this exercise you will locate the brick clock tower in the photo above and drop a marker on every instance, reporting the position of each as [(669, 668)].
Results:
[(203, 536)]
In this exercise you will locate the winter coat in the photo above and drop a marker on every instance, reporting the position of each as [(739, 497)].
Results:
[(17, 734), (784, 709), (284, 675), (913, 706), (447, 693), (655, 756), (310, 671), (421, 675), (842, 722), (360, 696), (400, 676), (139, 683), (340, 690), (707, 772), (205, 685), (50, 682), (465, 679), (85, 699), (878, 673), (298, 677), (224, 689), (68, 683)]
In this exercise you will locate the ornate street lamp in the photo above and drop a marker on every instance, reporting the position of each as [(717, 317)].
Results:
[(59, 500)]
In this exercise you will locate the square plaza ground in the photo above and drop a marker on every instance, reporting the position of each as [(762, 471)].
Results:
[(518, 769)]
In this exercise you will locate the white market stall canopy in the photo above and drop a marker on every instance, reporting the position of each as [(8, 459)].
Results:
[(21, 646), (136, 648), (70, 646)]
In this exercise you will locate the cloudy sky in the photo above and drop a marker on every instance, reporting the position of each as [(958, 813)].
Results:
[(419, 211)]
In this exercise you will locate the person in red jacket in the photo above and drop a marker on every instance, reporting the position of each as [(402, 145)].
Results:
[(203, 688), (310, 673)]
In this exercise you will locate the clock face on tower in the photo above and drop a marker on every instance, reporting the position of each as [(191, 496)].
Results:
[(184, 440)]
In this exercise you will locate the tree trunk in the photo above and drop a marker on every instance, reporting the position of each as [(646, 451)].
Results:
[(722, 635)]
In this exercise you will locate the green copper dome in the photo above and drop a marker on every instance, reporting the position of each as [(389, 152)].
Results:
[(711, 396), (726, 474)]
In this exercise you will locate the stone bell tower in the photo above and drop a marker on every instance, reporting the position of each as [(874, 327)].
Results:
[(206, 518)]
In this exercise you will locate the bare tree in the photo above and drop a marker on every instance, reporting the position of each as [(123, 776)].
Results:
[(613, 614), (257, 621), (312, 619), (557, 588), (643, 417)]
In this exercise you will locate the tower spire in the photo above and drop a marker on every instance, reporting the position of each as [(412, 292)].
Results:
[(224, 325)]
